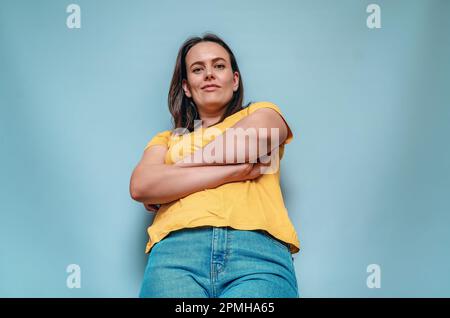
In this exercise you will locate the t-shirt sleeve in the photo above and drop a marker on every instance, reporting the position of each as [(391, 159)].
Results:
[(259, 105), (161, 138)]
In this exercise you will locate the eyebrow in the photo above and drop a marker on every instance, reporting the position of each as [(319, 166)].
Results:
[(214, 59)]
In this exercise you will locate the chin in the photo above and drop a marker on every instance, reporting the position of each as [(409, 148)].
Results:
[(212, 100)]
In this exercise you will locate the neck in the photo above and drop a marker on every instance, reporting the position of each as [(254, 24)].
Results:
[(210, 116)]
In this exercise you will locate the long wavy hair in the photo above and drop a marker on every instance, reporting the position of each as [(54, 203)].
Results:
[(183, 109)]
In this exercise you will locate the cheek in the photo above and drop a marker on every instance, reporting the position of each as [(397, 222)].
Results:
[(194, 82), (229, 79)]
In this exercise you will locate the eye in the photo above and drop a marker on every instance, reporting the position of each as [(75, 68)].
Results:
[(196, 69), (221, 66)]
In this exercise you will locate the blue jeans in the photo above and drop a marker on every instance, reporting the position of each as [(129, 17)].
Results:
[(219, 262)]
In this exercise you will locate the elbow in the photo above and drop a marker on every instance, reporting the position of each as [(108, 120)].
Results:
[(143, 192), (136, 192), (144, 187)]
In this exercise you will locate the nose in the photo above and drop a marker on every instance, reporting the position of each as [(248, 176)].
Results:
[(209, 73)]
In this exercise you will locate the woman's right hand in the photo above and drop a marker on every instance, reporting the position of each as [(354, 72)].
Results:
[(246, 171)]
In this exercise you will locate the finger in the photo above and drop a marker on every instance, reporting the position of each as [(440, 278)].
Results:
[(255, 172), (261, 168)]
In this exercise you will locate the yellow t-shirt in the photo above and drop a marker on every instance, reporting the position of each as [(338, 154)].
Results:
[(247, 205)]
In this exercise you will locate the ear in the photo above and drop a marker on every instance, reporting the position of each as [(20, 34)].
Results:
[(186, 89), (235, 81)]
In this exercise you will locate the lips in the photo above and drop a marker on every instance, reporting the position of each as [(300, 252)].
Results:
[(210, 87)]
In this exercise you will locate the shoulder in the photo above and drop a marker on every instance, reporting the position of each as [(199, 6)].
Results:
[(161, 138), (264, 104), (163, 135), (252, 107)]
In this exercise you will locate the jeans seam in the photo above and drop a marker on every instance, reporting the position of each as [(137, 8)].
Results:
[(213, 287)]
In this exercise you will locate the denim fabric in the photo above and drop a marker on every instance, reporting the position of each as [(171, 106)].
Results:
[(219, 262)]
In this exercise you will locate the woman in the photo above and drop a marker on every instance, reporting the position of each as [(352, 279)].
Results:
[(221, 227)]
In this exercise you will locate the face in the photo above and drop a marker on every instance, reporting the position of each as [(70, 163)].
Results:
[(208, 63)]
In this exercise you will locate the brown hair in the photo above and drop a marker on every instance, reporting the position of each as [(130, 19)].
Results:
[(183, 109)]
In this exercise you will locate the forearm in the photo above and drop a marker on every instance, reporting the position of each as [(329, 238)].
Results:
[(157, 184), (251, 138)]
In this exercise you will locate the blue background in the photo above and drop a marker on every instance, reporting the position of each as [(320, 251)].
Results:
[(366, 179)]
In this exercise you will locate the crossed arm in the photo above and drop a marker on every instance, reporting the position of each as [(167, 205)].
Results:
[(153, 182), (249, 139)]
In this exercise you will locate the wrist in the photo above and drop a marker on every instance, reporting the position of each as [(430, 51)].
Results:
[(238, 171)]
